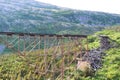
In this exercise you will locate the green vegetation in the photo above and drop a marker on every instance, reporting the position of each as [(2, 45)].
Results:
[(111, 66), (14, 67)]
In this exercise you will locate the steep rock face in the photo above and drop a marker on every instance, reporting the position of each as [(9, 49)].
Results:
[(32, 16)]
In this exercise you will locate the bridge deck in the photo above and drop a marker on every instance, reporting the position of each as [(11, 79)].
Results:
[(38, 34)]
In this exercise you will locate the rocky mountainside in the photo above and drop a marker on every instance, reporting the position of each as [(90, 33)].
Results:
[(33, 16)]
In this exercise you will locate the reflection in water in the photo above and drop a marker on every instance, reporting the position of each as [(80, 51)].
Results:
[(2, 47)]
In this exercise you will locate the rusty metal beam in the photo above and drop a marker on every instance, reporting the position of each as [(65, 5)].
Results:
[(38, 34)]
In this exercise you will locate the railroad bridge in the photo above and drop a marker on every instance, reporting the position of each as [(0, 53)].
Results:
[(56, 52)]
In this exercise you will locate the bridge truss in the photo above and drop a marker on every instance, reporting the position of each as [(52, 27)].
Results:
[(57, 54)]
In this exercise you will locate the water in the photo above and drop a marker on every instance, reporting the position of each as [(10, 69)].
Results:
[(2, 47)]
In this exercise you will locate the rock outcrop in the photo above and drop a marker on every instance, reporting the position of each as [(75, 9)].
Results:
[(94, 57)]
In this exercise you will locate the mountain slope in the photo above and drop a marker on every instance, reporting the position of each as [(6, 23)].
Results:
[(32, 16), (110, 68)]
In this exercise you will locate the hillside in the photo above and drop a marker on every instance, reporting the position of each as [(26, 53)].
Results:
[(32, 16), (109, 70)]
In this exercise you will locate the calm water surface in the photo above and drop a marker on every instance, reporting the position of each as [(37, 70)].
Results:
[(2, 47)]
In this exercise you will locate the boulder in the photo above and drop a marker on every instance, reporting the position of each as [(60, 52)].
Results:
[(85, 67)]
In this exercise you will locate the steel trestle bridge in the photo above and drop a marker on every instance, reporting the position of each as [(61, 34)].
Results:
[(57, 52)]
